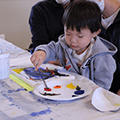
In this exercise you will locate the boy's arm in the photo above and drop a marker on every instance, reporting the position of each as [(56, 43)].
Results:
[(104, 68), (52, 51), (38, 58), (45, 53)]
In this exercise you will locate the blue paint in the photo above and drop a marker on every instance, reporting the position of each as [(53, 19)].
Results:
[(79, 92), (47, 111), (15, 105), (9, 98), (10, 91), (12, 104), (75, 95), (39, 100), (31, 92), (18, 107), (19, 89)]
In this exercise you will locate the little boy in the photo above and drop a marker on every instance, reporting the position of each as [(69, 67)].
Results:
[(80, 50)]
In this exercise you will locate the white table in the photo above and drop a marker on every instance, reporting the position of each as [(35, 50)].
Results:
[(18, 104)]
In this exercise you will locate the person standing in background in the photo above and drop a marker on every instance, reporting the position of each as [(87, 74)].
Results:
[(46, 21), (111, 31)]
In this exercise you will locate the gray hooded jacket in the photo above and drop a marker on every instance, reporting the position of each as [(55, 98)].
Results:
[(99, 67)]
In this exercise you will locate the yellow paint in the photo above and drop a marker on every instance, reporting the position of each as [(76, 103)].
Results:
[(109, 97), (117, 104), (13, 113), (18, 70), (71, 86)]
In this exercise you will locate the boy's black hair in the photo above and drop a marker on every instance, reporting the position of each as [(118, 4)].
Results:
[(82, 14)]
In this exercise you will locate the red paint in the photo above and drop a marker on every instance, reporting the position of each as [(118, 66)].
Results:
[(67, 67), (31, 79), (66, 60), (47, 89), (57, 87)]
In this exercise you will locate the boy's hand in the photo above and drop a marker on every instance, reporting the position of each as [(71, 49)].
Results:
[(38, 58)]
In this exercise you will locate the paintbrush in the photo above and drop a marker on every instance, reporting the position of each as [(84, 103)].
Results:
[(43, 79)]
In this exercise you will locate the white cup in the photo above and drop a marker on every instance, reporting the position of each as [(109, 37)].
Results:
[(4, 65)]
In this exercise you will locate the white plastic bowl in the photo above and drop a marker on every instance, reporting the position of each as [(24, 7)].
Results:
[(104, 100)]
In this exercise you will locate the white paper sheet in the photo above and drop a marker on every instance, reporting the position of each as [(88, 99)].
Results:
[(21, 61), (12, 49)]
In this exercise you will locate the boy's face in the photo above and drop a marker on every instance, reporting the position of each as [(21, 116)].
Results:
[(78, 41)]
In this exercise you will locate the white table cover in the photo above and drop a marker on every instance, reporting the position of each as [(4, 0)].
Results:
[(18, 104)]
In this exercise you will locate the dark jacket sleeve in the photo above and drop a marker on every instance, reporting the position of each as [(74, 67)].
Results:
[(38, 27), (46, 22)]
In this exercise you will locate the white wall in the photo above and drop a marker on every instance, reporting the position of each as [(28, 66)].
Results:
[(14, 15)]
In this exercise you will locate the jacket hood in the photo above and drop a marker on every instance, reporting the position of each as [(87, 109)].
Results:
[(100, 46), (103, 46)]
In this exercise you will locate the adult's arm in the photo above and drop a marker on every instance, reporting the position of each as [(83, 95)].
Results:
[(38, 26)]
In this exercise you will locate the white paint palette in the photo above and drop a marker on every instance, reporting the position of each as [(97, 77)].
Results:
[(64, 93)]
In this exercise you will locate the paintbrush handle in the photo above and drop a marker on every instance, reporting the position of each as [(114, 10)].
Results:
[(43, 79)]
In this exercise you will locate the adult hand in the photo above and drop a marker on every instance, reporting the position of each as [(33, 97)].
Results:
[(38, 58)]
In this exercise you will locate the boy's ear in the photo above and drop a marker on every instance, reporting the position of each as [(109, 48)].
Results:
[(96, 33)]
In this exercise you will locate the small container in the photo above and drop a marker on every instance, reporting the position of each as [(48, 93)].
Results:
[(4, 65)]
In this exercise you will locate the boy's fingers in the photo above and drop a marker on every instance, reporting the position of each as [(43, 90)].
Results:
[(32, 58), (37, 66), (37, 59), (38, 63)]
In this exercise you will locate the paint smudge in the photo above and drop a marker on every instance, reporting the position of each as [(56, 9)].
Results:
[(19, 89), (117, 104), (50, 94), (15, 106), (18, 70), (47, 89), (75, 95), (9, 98), (47, 111), (78, 88), (68, 67), (57, 86), (71, 86)]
